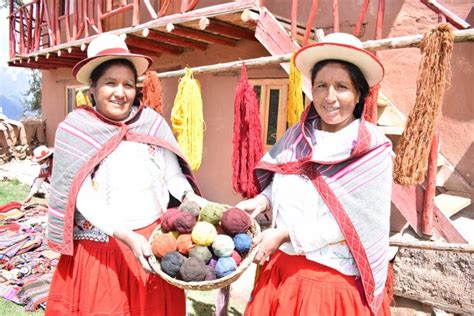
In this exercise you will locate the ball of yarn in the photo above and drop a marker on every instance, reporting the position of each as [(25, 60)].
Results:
[(201, 252), (235, 221), (171, 263), (190, 207), (203, 233), (174, 233), (193, 269), (242, 242), (167, 219), (211, 273), (212, 262), (219, 229), (184, 223), (237, 258), (225, 266), (185, 243), (211, 213), (223, 246), (163, 244)]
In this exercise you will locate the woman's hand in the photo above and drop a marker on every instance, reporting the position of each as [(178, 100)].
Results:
[(268, 242), (255, 205), (138, 244)]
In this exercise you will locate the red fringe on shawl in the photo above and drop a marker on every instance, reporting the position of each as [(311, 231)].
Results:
[(247, 142), (370, 108), (152, 93)]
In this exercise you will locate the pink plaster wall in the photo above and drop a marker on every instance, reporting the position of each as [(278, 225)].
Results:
[(402, 18)]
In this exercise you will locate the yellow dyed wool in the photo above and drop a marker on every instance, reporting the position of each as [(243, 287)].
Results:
[(203, 234), (295, 94), (187, 119), (82, 99)]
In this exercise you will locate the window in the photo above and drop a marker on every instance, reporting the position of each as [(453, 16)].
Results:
[(272, 95), (71, 92)]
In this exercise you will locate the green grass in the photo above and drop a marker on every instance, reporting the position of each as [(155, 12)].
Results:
[(200, 303), (14, 190)]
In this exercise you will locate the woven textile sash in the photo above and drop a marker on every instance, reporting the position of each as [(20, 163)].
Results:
[(82, 141), (355, 187)]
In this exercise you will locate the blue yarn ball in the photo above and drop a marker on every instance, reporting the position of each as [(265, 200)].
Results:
[(225, 266), (242, 243)]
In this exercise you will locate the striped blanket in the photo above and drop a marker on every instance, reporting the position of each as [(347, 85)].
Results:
[(356, 187), (82, 141)]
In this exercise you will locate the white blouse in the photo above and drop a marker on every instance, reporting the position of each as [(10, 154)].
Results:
[(130, 187), (298, 207)]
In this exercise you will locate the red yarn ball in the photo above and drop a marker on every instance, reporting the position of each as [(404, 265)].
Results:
[(167, 219), (235, 221), (185, 222), (237, 258)]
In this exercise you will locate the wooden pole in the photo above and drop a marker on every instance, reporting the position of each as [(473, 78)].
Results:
[(430, 190), (430, 245), (397, 42), (335, 15), (294, 19), (309, 23), (450, 16), (361, 18)]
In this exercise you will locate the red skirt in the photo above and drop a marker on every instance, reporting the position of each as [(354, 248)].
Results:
[(106, 279), (293, 285)]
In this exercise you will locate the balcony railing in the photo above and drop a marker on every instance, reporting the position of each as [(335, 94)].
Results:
[(42, 24)]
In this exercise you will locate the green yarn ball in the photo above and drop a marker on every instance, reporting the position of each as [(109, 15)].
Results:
[(201, 252), (212, 213)]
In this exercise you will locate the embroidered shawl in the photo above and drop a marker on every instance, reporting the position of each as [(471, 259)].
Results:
[(355, 187), (82, 141)]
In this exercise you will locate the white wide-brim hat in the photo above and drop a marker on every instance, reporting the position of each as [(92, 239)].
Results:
[(106, 47), (41, 152), (340, 46)]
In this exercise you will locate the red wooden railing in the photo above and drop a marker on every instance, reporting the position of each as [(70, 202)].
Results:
[(38, 24)]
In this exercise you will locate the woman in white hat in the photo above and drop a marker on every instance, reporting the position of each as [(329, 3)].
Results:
[(327, 183), (116, 166), (44, 157)]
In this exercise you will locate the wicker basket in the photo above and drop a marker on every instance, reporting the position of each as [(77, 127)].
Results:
[(206, 285)]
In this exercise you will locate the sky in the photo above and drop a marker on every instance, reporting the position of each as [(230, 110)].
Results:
[(13, 80)]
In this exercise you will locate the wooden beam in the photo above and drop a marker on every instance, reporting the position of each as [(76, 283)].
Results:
[(227, 29), (175, 40), (234, 65), (32, 66), (413, 40), (200, 35), (409, 201), (452, 18), (153, 45), (431, 245), (61, 61), (139, 50), (430, 190)]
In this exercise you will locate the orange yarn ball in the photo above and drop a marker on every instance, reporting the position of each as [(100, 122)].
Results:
[(185, 243), (162, 244)]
